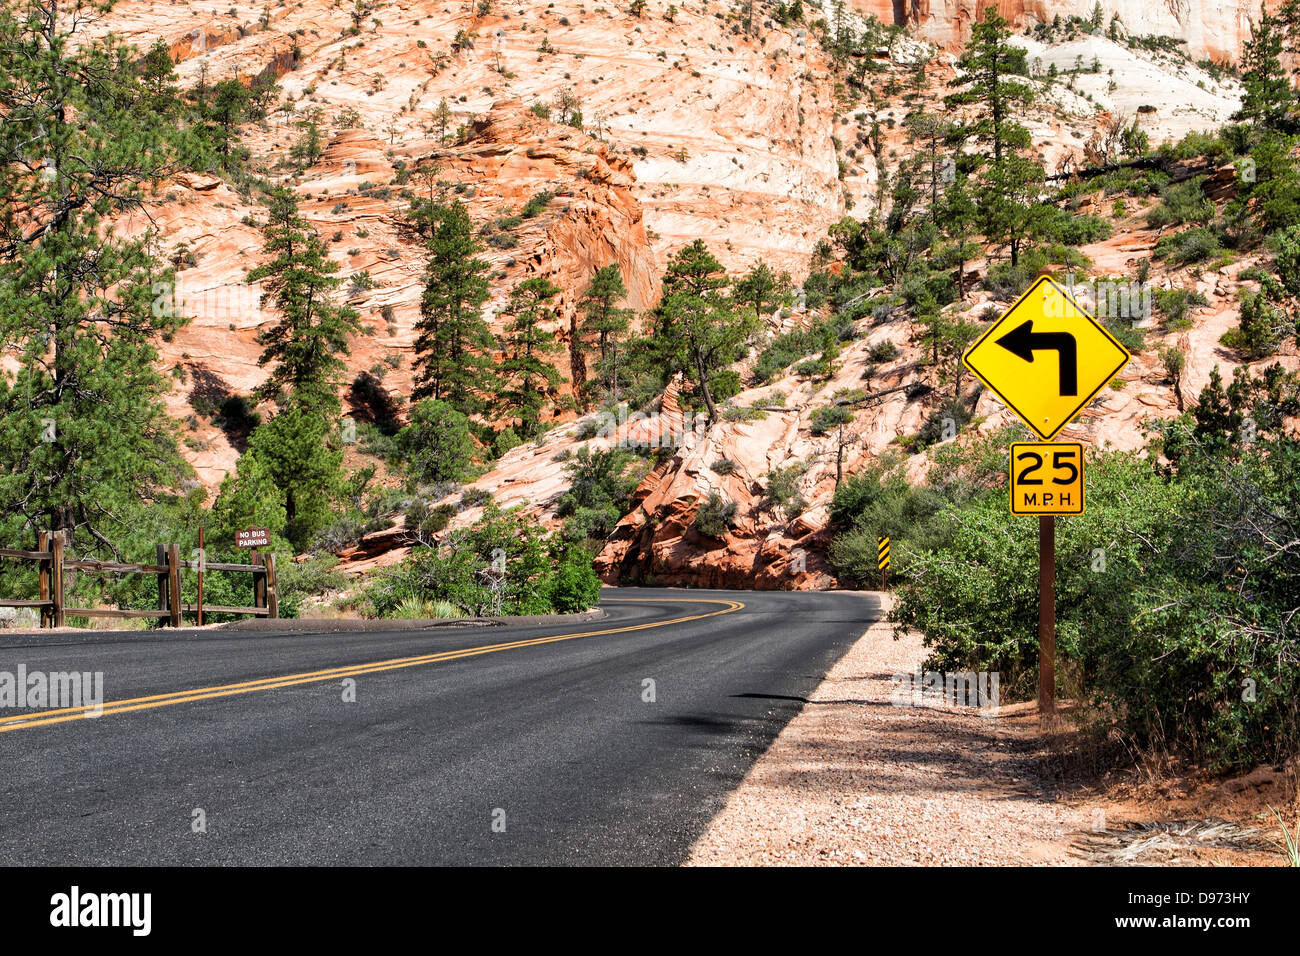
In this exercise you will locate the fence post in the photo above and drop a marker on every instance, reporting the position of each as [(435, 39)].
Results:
[(160, 558), (203, 559), (43, 544), (259, 579), (174, 583), (271, 593), (56, 578)]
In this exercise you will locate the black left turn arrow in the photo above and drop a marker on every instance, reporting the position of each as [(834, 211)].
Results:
[(1024, 342)]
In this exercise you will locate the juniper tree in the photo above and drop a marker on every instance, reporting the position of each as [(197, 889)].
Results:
[(84, 435), (453, 344)]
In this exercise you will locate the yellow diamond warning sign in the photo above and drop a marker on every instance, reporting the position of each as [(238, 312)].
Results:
[(1046, 358), (1046, 478)]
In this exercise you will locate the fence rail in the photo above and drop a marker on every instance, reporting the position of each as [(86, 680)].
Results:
[(53, 563)]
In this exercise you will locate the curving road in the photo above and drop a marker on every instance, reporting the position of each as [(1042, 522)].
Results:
[(464, 745)]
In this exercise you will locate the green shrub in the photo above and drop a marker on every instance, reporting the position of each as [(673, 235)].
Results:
[(575, 586), (1174, 304), (501, 565), (1183, 203), (715, 516), (536, 204), (1132, 337), (1188, 246), (947, 419), (1171, 593), (427, 521), (783, 490), (829, 417), (299, 580), (474, 497), (785, 349), (1260, 328), (436, 446), (600, 492), (505, 440), (1074, 229), (1007, 282), (884, 351)]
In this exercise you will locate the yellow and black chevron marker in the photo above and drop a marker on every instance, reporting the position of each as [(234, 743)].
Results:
[(884, 553)]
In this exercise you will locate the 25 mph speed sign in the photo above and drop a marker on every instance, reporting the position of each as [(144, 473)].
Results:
[(1046, 478)]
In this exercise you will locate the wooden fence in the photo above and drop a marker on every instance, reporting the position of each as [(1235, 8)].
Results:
[(54, 562)]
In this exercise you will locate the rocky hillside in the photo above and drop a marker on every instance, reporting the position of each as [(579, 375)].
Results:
[(696, 122), (1212, 29)]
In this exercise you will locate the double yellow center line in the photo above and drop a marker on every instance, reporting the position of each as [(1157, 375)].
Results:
[(110, 708)]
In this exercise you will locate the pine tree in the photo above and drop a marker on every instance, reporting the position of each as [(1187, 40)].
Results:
[(299, 449), (1009, 210), (1268, 95), (427, 202), (310, 146), (606, 321), (226, 112), (1008, 207), (453, 344), (158, 76), (528, 381), (934, 133), (84, 434), (698, 330), (305, 347), (442, 116), (988, 68), (761, 288)]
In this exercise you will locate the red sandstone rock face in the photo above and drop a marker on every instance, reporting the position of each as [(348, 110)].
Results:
[(691, 130)]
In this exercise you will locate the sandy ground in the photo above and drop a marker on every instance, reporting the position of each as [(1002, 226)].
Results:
[(854, 779)]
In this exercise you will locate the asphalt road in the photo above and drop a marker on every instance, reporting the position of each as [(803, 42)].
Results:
[(456, 750)]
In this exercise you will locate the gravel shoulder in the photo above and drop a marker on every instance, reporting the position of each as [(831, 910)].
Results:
[(855, 779)]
